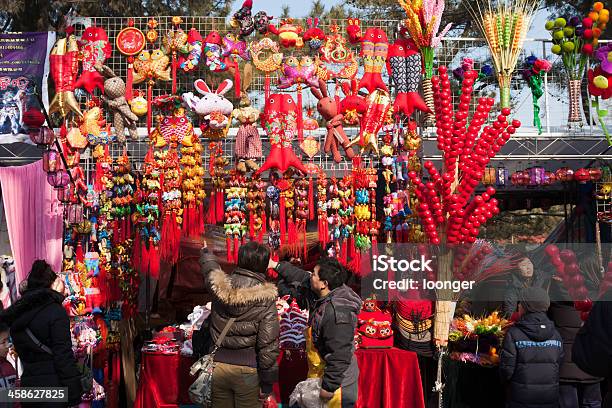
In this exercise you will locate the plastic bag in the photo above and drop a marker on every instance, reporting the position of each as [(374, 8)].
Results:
[(306, 394)]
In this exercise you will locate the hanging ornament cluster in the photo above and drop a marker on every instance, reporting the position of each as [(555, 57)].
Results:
[(123, 199), (235, 215), (193, 188), (256, 197), (218, 172)]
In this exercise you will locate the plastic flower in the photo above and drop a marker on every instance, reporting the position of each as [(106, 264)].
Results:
[(458, 73), (486, 70), (597, 81), (604, 55)]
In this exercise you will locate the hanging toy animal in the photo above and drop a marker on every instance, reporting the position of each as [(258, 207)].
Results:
[(248, 143), (328, 108), (378, 112), (95, 48), (64, 66), (214, 109), (314, 36), (405, 66), (243, 19), (114, 97), (189, 60), (213, 52), (289, 34), (374, 51), (280, 123), (298, 71), (149, 67)]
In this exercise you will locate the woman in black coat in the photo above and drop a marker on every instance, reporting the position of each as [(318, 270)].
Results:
[(40, 310)]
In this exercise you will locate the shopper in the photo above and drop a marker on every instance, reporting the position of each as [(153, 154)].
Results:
[(520, 279), (592, 350), (246, 363), (8, 374), (332, 321), (531, 354), (38, 321), (577, 389)]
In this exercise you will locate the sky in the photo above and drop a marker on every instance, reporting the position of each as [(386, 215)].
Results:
[(298, 8)]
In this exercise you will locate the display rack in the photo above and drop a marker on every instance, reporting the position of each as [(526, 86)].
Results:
[(556, 143)]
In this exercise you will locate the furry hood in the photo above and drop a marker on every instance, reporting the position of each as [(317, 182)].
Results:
[(26, 307), (224, 287)]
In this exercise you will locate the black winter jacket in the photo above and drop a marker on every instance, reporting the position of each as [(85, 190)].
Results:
[(42, 312), (333, 320), (592, 350), (253, 338), (530, 359)]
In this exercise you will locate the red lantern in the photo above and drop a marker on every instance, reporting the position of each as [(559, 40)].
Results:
[(565, 174), (595, 174), (582, 176), (66, 195), (33, 118), (52, 161), (43, 137), (59, 179)]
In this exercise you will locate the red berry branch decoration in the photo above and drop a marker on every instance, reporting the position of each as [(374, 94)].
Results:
[(447, 208)]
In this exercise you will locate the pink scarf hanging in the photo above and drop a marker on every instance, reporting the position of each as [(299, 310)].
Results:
[(33, 217)]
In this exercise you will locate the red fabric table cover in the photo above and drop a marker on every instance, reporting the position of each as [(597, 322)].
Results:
[(389, 378), (164, 381)]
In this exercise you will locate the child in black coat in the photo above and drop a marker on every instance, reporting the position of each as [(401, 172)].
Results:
[(531, 354)]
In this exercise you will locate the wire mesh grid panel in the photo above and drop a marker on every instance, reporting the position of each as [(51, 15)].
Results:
[(450, 53)]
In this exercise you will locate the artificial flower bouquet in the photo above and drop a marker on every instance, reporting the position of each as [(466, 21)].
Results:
[(534, 70), (476, 340), (575, 40)]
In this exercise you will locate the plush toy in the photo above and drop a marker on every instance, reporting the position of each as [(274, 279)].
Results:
[(280, 123), (288, 33), (314, 35), (404, 65), (377, 113), (114, 97), (173, 130), (189, 60), (234, 46), (243, 19), (64, 66), (94, 48), (296, 70), (374, 50), (213, 51), (328, 108), (150, 66), (174, 42), (353, 105), (212, 107), (248, 143)]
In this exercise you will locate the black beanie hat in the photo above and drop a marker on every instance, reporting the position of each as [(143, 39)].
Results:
[(534, 299)]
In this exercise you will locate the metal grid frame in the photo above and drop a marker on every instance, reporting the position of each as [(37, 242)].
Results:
[(558, 142)]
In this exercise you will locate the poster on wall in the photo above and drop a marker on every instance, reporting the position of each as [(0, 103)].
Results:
[(24, 67)]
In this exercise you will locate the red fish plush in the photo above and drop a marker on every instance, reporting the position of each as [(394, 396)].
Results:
[(64, 66), (374, 51), (94, 47), (404, 66), (280, 122)]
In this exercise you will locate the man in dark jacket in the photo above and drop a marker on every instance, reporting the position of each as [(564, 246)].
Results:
[(333, 319), (577, 389), (592, 350), (531, 354), (246, 365), (522, 278)]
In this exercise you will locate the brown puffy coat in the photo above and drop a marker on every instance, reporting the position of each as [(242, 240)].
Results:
[(253, 338)]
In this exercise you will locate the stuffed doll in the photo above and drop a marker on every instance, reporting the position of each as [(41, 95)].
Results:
[(95, 48), (280, 123), (189, 60), (289, 34), (378, 112), (64, 66), (328, 108), (114, 97), (213, 108), (243, 19), (404, 65), (248, 143), (297, 71), (374, 50), (353, 105), (314, 35)]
